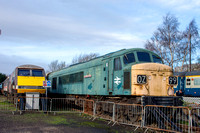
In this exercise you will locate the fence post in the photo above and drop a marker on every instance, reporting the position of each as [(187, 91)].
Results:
[(113, 113), (94, 108), (190, 122), (16, 102), (83, 106), (143, 116), (50, 105)]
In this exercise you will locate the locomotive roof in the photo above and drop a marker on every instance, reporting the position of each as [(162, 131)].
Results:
[(179, 73), (187, 73), (98, 61), (192, 73), (30, 66)]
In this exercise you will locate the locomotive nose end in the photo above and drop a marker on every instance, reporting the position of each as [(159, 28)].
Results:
[(152, 79)]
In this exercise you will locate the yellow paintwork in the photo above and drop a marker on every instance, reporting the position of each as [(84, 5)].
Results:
[(157, 80), (30, 81), (42, 91), (192, 76)]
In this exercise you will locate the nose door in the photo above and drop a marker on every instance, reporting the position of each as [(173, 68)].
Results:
[(108, 77), (182, 83)]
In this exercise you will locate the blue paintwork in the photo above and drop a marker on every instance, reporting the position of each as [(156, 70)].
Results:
[(181, 84), (191, 91)]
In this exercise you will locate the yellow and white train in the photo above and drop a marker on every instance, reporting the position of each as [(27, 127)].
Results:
[(25, 79)]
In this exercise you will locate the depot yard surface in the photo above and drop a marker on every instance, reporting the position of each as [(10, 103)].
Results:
[(32, 122)]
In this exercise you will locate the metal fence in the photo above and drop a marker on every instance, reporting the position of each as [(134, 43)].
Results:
[(105, 110), (163, 118), (195, 119), (130, 114), (167, 118), (66, 105), (7, 104), (191, 101)]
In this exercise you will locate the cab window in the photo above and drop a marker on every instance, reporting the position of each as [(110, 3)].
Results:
[(117, 64), (143, 56), (54, 83), (129, 58), (157, 59), (37, 73), (23, 72)]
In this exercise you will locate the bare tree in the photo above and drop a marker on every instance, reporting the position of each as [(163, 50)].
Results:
[(165, 40), (55, 65), (84, 57), (193, 38)]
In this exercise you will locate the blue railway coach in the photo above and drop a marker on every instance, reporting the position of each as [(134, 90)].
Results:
[(189, 83), (125, 73)]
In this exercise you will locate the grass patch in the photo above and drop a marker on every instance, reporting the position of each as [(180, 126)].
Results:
[(57, 120), (49, 119), (5, 105), (90, 124)]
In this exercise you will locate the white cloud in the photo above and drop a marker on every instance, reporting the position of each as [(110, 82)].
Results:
[(43, 31)]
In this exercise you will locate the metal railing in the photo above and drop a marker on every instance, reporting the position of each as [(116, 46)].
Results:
[(105, 110), (163, 118), (130, 114), (167, 118), (7, 104), (66, 105), (195, 119)]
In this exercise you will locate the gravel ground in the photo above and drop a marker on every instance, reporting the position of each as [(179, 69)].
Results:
[(32, 122)]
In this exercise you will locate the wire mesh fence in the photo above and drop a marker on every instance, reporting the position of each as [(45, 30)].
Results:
[(192, 101)]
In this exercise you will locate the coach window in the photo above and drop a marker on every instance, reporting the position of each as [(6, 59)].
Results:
[(37, 73), (79, 77), (117, 64), (157, 59), (23, 72), (54, 84), (143, 56), (129, 58), (197, 81)]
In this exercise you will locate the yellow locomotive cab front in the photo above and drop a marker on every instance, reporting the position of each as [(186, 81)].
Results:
[(151, 79), (30, 84)]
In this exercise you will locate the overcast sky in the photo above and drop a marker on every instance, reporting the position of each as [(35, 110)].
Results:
[(40, 31)]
